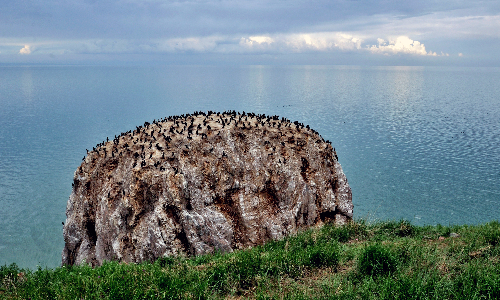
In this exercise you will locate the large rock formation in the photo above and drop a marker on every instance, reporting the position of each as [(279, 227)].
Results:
[(200, 183)]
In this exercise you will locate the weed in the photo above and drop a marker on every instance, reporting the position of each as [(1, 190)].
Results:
[(376, 260), (492, 233), (324, 255), (165, 261)]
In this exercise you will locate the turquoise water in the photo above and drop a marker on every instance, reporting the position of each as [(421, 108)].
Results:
[(417, 143)]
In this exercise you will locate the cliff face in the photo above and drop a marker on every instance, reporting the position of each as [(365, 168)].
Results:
[(200, 183)]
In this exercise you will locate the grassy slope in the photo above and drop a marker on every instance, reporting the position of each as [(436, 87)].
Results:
[(388, 260)]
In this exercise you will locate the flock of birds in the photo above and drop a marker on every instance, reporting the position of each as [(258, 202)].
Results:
[(154, 140)]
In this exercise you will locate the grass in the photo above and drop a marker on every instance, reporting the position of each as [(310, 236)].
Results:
[(386, 260)]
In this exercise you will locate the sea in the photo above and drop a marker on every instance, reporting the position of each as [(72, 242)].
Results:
[(420, 144)]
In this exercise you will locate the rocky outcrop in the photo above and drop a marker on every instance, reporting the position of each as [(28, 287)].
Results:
[(200, 183)]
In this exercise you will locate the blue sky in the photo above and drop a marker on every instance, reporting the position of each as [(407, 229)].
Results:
[(251, 32)]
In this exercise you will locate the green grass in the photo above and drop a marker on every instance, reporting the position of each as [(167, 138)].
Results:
[(387, 260)]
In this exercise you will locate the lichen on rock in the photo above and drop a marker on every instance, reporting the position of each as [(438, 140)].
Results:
[(199, 183)]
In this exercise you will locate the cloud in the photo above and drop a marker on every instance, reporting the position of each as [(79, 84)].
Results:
[(401, 45), (260, 40), (301, 42), (196, 44), (133, 46), (255, 27), (256, 41), (323, 41), (25, 50), (311, 42)]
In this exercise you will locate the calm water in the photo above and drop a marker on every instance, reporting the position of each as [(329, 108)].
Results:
[(415, 143)]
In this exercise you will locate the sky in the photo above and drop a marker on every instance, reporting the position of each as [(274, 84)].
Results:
[(359, 32)]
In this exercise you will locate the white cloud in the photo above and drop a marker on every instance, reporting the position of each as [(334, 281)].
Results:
[(348, 42), (322, 41), (259, 40), (25, 50), (269, 43), (301, 42), (257, 43), (401, 44)]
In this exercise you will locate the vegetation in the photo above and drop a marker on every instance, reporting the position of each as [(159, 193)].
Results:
[(388, 260)]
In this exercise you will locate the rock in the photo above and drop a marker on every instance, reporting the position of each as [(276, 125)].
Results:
[(195, 184)]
